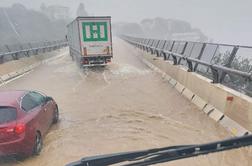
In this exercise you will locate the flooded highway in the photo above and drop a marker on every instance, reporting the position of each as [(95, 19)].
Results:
[(122, 107)]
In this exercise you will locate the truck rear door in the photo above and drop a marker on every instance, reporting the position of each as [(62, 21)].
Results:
[(95, 35)]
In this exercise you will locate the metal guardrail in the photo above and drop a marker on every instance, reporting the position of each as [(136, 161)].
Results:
[(15, 52), (227, 64)]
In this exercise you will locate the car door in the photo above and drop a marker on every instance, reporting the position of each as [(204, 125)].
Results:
[(35, 112), (46, 106)]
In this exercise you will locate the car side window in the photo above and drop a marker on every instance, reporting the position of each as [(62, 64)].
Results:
[(37, 97), (28, 103), (32, 100)]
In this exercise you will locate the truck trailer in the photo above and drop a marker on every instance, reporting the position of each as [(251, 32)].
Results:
[(90, 41)]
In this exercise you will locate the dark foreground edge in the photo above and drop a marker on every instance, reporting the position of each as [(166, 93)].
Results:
[(161, 155)]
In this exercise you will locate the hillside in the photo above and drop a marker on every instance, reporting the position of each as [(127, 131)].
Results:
[(161, 28), (19, 25)]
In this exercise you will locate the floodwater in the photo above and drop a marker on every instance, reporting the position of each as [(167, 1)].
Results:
[(123, 107)]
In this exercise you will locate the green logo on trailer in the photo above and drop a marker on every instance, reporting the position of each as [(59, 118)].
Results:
[(95, 31)]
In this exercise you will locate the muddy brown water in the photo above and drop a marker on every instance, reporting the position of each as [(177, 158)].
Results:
[(122, 107)]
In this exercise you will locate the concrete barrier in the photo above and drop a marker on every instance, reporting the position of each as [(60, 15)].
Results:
[(188, 94), (230, 108), (199, 102), (180, 88), (13, 69), (216, 115), (208, 109), (173, 82), (233, 126)]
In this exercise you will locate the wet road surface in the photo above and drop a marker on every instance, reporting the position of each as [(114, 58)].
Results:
[(122, 107)]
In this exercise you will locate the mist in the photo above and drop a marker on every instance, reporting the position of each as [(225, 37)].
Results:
[(222, 21)]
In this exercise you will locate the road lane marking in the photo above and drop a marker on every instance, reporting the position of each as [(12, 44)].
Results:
[(15, 78)]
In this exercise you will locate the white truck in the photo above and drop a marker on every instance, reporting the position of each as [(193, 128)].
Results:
[(90, 41)]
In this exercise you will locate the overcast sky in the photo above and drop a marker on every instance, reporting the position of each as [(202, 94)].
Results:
[(227, 21)]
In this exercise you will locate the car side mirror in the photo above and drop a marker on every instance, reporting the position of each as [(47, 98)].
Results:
[(48, 98)]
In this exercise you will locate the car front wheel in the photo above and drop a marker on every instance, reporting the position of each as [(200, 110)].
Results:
[(38, 144), (56, 115)]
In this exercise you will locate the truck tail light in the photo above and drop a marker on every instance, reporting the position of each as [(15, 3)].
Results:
[(85, 61)]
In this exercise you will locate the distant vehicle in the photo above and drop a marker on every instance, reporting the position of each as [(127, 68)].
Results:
[(25, 117), (90, 41)]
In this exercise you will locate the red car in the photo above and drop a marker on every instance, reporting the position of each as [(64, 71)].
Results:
[(25, 117)]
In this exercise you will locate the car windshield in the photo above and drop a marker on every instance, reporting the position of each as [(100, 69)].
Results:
[(109, 77), (7, 114)]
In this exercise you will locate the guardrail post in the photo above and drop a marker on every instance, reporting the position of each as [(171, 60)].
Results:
[(183, 51), (190, 65), (173, 44), (54, 45), (152, 50), (30, 48), (50, 46), (156, 49), (147, 45), (229, 62), (175, 62), (162, 50), (216, 75), (44, 50), (14, 56), (200, 55), (44, 45), (166, 57), (25, 52)]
